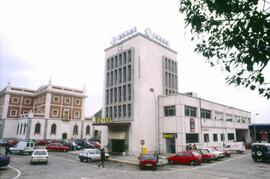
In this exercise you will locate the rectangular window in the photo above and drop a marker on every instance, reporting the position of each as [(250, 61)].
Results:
[(120, 76), (56, 99), (125, 58), (111, 95), (108, 79), (107, 112), (107, 96), (190, 111), (215, 137), (206, 114), (77, 101), (221, 137), (119, 111), (124, 74), (115, 62), (111, 112), (77, 115), (54, 113), (129, 73), (218, 116), (244, 119), (13, 113), (27, 101), (206, 137), (230, 136), (237, 119), (124, 111), (15, 100), (192, 138), (111, 63), (120, 94), (115, 111), (111, 80), (129, 56), (115, 95), (129, 92), (129, 110), (229, 117), (120, 60), (166, 79), (115, 77), (124, 93), (67, 100), (169, 110), (66, 114), (108, 64)]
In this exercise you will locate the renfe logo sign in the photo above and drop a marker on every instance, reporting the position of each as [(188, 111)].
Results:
[(123, 35), (149, 34)]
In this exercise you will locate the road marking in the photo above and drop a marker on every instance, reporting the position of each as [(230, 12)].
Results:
[(18, 171)]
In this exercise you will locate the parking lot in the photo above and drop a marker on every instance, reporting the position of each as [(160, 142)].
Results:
[(66, 165)]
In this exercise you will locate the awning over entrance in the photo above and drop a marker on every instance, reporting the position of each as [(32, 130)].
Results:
[(113, 124)]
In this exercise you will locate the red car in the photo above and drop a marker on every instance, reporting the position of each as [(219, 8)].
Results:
[(42, 142), (221, 149), (206, 155), (186, 157), (148, 160), (57, 147)]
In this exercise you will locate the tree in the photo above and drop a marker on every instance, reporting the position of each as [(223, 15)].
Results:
[(235, 35)]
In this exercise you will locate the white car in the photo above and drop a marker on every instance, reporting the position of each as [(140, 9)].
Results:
[(218, 154), (39, 156), (23, 147), (238, 147), (91, 154)]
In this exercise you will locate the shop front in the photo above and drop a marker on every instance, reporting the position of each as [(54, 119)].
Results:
[(169, 142)]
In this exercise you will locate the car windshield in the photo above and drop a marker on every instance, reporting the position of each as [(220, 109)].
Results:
[(40, 153), (148, 157), (204, 151)]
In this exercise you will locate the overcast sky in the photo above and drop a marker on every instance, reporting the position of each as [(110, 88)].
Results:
[(65, 40)]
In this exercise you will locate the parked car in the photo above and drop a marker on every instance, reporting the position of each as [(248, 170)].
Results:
[(4, 160), (238, 147), (227, 153), (57, 147), (218, 154), (8, 141), (83, 143), (23, 147), (207, 156), (94, 144), (260, 152), (42, 142), (39, 156), (72, 145), (186, 157), (91, 154), (148, 160)]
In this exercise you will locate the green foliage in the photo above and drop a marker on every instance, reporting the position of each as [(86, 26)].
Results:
[(234, 34)]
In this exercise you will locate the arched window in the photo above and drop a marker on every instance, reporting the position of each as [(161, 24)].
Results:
[(75, 130), (37, 128), (88, 129), (18, 126), (53, 129), (24, 128)]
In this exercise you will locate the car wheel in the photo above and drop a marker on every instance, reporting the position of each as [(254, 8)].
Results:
[(81, 159), (191, 163), (20, 152), (259, 153), (90, 160), (46, 163), (169, 161)]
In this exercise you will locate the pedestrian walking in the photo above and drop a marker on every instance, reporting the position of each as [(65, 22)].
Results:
[(102, 158)]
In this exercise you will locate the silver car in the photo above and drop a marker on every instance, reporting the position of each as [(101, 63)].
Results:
[(39, 156)]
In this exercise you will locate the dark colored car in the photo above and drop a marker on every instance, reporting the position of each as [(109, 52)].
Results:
[(57, 147), (72, 145), (4, 160), (8, 141), (260, 152), (206, 155), (186, 157), (148, 160), (83, 143)]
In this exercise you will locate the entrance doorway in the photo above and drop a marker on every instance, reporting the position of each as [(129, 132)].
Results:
[(118, 146), (64, 136), (170, 145)]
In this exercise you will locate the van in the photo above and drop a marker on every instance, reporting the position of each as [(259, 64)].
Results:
[(238, 147), (23, 147)]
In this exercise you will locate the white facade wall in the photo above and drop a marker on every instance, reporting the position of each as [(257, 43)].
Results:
[(10, 128), (147, 74), (180, 124)]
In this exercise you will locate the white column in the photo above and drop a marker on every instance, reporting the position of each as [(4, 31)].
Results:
[(5, 106)]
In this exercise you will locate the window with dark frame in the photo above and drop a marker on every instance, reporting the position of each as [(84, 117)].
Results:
[(87, 130), (230, 136), (206, 137), (37, 128), (215, 137), (53, 129), (206, 114), (192, 138), (190, 111), (75, 130), (169, 111)]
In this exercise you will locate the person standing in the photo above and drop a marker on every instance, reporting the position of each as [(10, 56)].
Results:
[(102, 158)]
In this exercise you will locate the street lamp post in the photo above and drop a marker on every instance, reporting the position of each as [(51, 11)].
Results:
[(254, 129), (157, 120)]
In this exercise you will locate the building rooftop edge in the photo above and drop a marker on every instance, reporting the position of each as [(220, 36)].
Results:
[(140, 34), (183, 94)]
